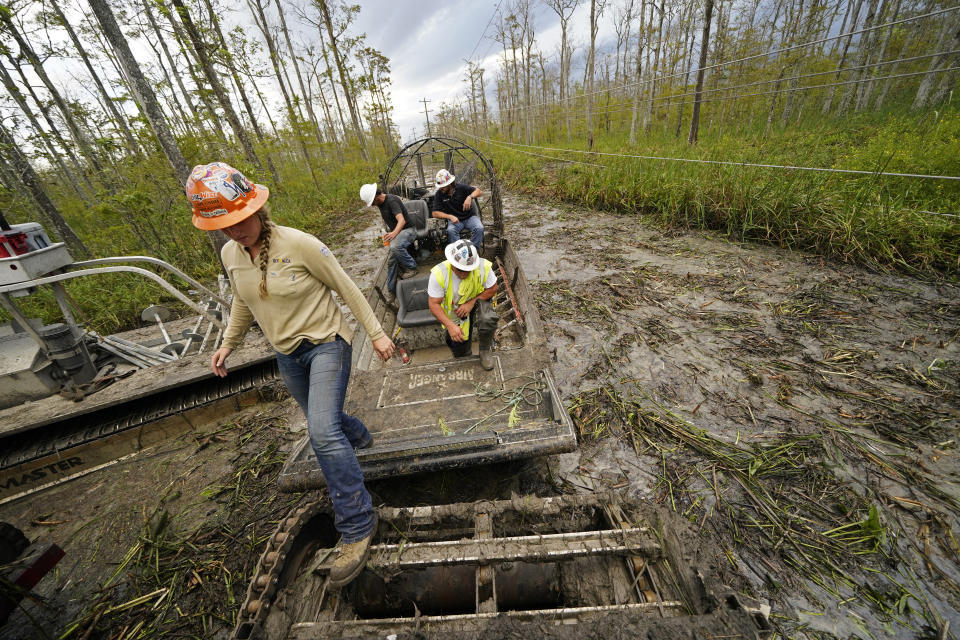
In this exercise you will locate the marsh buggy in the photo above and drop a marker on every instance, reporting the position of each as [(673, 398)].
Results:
[(564, 566), (436, 411)]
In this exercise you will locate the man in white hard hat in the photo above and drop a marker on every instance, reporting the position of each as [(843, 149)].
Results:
[(459, 290), (400, 236), (453, 201)]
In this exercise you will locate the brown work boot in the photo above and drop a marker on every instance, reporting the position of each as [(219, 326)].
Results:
[(351, 560), (406, 274), (486, 359)]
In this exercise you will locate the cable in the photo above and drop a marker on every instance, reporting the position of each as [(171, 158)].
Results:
[(480, 39), (623, 108), (922, 211), (757, 55), (809, 75), (721, 162), (540, 155)]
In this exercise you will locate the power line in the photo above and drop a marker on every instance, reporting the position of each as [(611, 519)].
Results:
[(720, 162), (751, 57), (623, 108), (809, 75), (591, 164), (480, 39)]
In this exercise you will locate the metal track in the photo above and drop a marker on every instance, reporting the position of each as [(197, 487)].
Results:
[(73, 432), (284, 543)]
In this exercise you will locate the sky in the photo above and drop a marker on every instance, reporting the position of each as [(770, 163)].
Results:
[(428, 42)]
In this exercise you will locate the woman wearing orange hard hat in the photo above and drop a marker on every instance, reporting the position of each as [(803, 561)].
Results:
[(284, 279)]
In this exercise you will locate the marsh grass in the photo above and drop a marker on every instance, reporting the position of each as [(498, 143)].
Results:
[(881, 221), (786, 503)]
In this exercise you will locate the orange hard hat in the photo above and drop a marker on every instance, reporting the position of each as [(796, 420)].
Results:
[(222, 196)]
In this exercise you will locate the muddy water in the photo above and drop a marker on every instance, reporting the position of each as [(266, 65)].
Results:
[(758, 347)]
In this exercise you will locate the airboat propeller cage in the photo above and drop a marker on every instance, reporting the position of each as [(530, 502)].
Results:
[(407, 177)]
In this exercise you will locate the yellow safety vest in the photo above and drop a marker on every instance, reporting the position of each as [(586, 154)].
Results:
[(470, 287)]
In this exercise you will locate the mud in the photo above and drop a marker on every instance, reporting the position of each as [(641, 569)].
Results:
[(854, 372), (702, 374)]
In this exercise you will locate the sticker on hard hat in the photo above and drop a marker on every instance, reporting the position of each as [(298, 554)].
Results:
[(213, 214)]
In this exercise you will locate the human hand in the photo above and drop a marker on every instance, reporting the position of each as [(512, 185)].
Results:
[(389, 236), (467, 202), (464, 309), (456, 333), (384, 347), (219, 359)]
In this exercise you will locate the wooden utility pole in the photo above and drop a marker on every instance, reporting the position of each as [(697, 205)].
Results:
[(426, 113)]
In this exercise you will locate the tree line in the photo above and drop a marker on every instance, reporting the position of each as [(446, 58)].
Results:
[(194, 83), (718, 63)]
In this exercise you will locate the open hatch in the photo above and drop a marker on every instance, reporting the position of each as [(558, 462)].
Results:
[(563, 566)]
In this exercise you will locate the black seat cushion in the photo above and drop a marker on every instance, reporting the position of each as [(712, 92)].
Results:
[(417, 213), (413, 303)]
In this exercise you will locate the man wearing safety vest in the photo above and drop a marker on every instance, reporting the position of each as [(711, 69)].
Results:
[(461, 284)]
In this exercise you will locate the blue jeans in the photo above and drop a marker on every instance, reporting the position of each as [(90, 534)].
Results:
[(400, 255), (472, 223), (317, 376)]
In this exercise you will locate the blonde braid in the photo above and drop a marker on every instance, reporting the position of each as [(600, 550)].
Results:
[(264, 257)]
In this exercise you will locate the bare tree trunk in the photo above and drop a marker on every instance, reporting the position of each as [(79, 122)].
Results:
[(53, 127), (326, 111), (698, 92), (843, 56), (18, 97), (20, 166), (243, 94), (148, 11), (867, 89), (143, 92), (591, 60), (200, 48), (296, 72), (948, 40), (132, 145), (333, 87), (686, 76), (325, 10), (564, 9), (260, 18), (654, 70), (71, 122), (638, 91), (863, 50), (183, 40)]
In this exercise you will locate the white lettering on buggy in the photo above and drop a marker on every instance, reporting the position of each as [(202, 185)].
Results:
[(418, 380)]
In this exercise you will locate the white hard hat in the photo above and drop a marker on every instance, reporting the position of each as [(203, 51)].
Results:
[(444, 178), (368, 192), (462, 254)]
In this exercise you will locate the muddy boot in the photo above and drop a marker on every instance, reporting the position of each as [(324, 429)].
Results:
[(486, 358), (351, 560)]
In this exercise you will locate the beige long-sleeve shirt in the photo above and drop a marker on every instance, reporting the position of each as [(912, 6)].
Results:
[(302, 273)]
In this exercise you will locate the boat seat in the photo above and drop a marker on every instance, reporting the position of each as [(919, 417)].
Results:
[(418, 213), (413, 303)]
